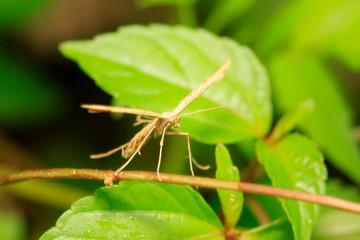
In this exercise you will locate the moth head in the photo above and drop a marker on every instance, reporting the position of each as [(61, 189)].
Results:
[(175, 121)]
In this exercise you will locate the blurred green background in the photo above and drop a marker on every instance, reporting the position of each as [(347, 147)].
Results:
[(42, 125)]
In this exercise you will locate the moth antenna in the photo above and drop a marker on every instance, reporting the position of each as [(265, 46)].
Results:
[(207, 109)]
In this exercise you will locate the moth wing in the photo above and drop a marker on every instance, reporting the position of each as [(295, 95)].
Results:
[(93, 108)]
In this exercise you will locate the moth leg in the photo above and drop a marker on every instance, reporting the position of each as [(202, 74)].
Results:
[(101, 155), (160, 153), (139, 120), (191, 159)]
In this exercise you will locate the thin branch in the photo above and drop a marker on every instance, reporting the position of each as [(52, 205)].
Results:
[(257, 209), (251, 171), (108, 176)]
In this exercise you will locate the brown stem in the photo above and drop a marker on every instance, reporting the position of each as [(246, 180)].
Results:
[(211, 183), (257, 209), (251, 171)]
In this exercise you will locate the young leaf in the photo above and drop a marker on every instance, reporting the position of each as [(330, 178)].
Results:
[(231, 201), (334, 224), (278, 229), (138, 210), (156, 66), (330, 125), (291, 119), (295, 163)]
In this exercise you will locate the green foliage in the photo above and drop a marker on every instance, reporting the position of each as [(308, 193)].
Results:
[(334, 224), (141, 66), (35, 98), (154, 67), (291, 119), (149, 3), (231, 201), (296, 80), (137, 210), (185, 9), (126, 65), (295, 163), (17, 11), (319, 27), (227, 11), (279, 229), (12, 226), (299, 39)]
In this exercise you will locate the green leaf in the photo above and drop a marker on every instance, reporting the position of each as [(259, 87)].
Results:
[(295, 163), (156, 66), (312, 26), (137, 210), (278, 229), (249, 28), (272, 207), (247, 149), (336, 188), (225, 12), (26, 96), (12, 226), (330, 125), (292, 118), (331, 27), (335, 224), (231, 201)]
